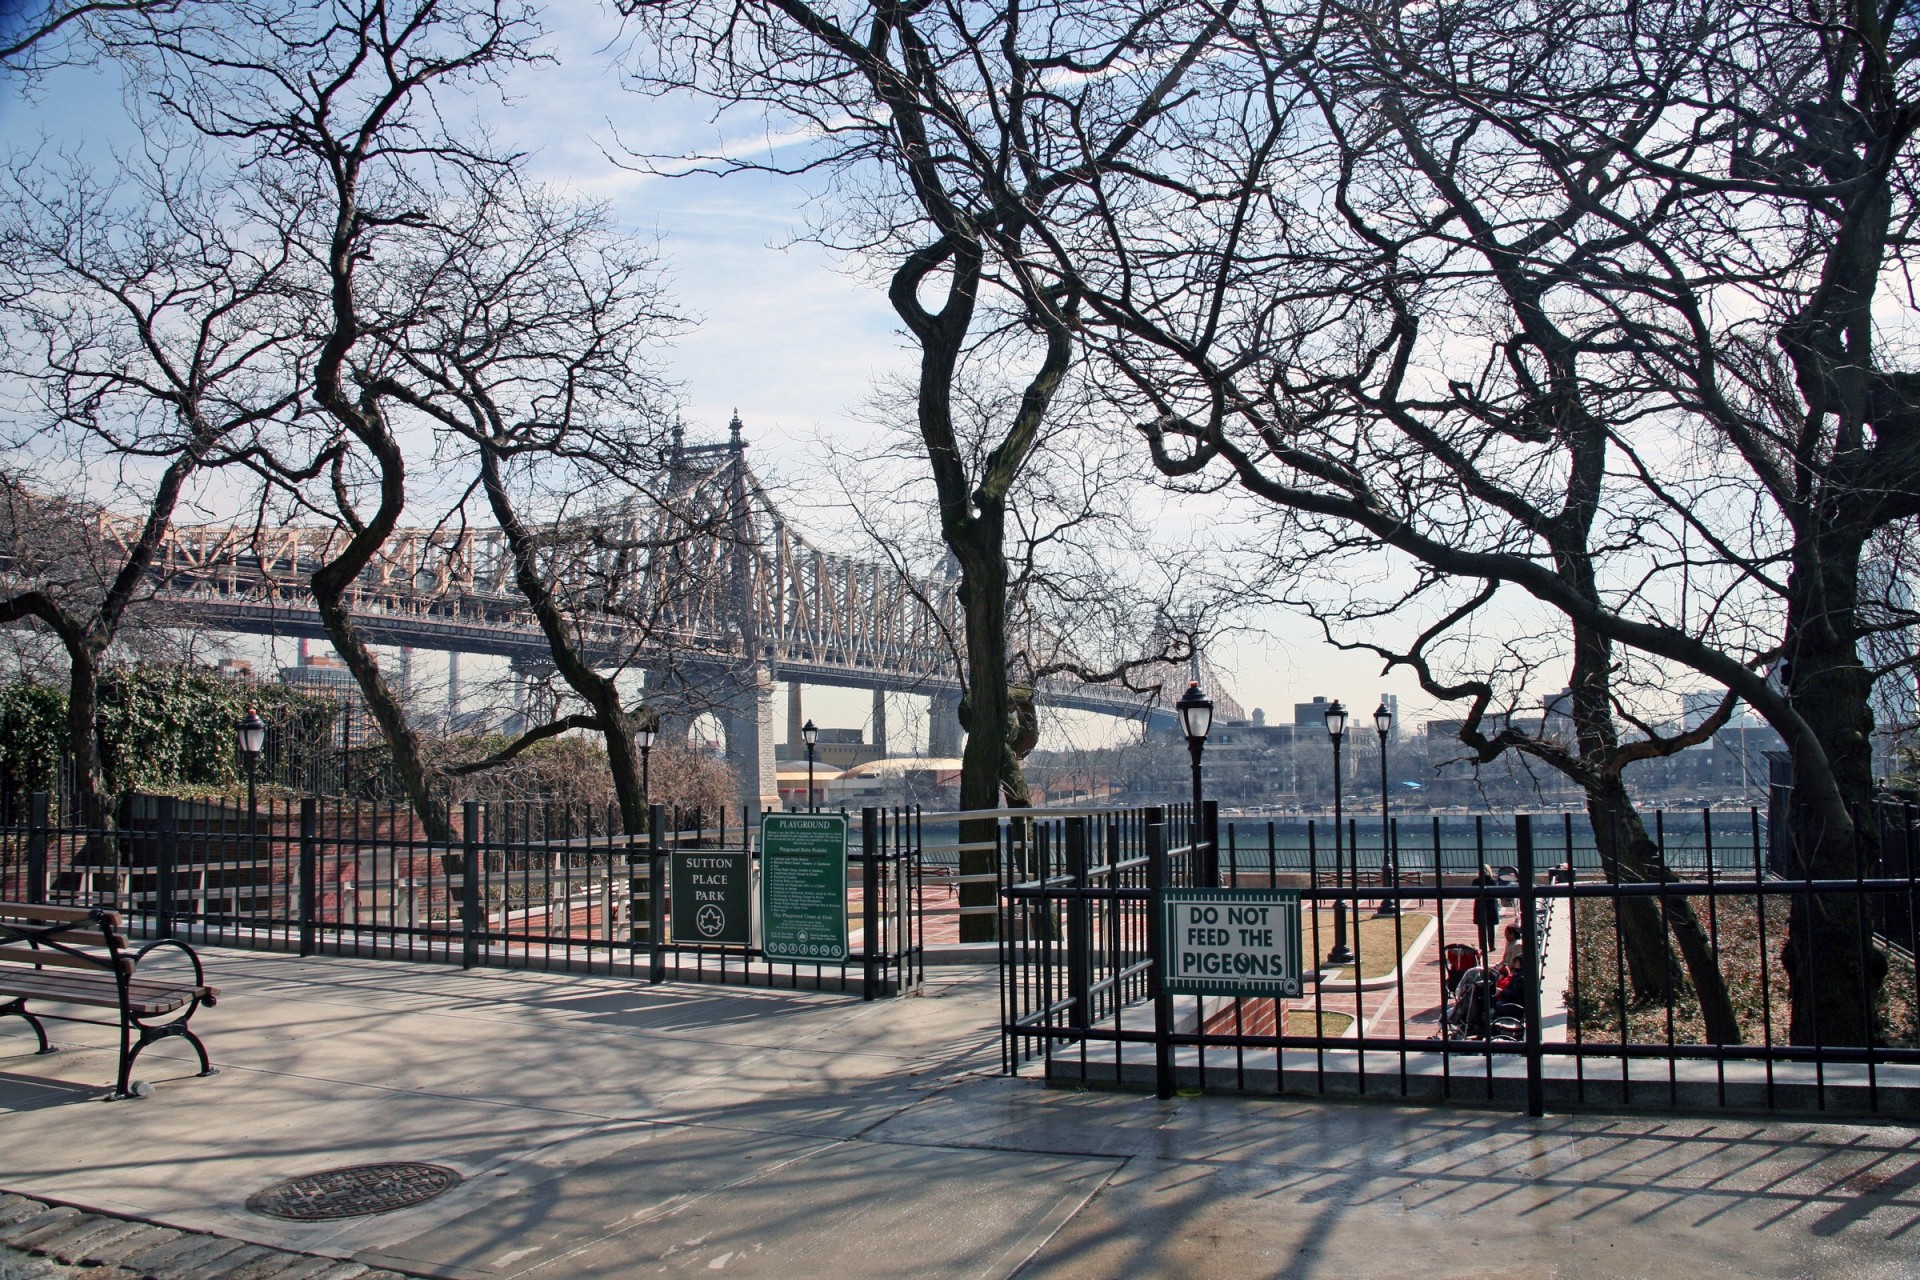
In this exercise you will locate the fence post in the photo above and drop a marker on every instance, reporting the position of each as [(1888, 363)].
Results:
[(1156, 944), (469, 884), (308, 893), (870, 902), (37, 847), (656, 892), (1079, 928), (1210, 832), (1530, 930), (166, 860)]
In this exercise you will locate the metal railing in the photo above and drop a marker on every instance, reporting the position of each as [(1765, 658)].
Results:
[(1604, 1010), (519, 886)]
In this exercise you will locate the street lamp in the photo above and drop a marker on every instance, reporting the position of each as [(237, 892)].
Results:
[(1196, 717), (252, 737), (809, 735), (1336, 730), (1389, 856), (644, 737)]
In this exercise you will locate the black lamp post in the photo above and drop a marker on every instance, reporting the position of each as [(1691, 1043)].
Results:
[(252, 737), (1196, 718), (1337, 730), (1389, 856), (809, 735), (644, 737)]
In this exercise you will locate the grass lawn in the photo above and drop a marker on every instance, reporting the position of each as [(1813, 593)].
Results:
[(1300, 1023), (1596, 1004), (1378, 954)]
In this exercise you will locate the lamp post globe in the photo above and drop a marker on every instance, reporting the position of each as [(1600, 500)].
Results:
[(1196, 720), (1389, 853), (1341, 955), (252, 738), (809, 734), (644, 737)]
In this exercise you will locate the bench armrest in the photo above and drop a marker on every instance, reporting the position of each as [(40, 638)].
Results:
[(199, 973)]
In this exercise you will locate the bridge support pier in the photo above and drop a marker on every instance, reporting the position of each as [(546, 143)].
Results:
[(880, 721), (746, 716), (943, 724)]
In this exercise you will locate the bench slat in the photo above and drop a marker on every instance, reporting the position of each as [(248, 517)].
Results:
[(146, 998), (60, 959), (33, 911), (70, 937)]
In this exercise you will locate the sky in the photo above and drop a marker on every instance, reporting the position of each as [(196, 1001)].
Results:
[(788, 336)]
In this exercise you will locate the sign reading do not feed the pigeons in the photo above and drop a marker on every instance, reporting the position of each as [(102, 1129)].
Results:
[(1230, 942), (803, 887)]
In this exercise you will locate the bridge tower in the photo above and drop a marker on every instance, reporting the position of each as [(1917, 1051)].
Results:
[(747, 700), (943, 724), (944, 735)]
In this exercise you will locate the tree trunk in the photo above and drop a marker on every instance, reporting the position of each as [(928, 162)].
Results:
[(1626, 851), (1643, 939), (1833, 971), (381, 704), (83, 747), (1635, 857), (986, 713), (599, 692)]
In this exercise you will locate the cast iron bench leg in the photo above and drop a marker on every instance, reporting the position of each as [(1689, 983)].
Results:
[(18, 1008)]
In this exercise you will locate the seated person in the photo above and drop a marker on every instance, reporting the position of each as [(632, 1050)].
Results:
[(1512, 983)]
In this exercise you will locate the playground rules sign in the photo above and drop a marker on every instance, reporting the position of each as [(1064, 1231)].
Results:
[(1230, 942), (803, 886)]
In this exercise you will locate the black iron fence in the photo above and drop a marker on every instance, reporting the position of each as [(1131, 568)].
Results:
[(1404, 994), (519, 886)]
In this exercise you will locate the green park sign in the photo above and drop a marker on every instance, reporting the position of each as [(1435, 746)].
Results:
[(712, 899), (1230, 942), (803, 886)]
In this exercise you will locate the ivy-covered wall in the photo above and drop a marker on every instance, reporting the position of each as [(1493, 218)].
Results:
[(162, 728)]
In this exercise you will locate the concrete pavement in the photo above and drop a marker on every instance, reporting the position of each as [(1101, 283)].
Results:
[(606, 1128)]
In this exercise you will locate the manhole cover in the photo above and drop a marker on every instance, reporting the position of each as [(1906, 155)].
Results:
[(350, 1192)]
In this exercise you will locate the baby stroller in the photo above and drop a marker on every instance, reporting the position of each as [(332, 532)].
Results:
[(1477, 1003), (1457, 959)]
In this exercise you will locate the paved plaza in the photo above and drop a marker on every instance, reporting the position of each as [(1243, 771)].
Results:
[(608, 1128)]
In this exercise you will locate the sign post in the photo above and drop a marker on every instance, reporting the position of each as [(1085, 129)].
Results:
[(1230, 942), (712, 899), (803, 887)]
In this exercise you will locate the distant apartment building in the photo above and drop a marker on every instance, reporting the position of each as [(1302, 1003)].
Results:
[(1491, 723), (834, 749)]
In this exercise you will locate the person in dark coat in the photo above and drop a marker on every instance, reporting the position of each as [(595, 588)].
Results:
[(1486, 909)]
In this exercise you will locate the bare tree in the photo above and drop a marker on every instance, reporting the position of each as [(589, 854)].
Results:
[(143, 336), (538, 359), (1095, 594), (38, 36), (336, 109), (1577, 300), (953, 132)]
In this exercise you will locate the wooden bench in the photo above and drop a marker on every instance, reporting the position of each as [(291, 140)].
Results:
[(78, 956)]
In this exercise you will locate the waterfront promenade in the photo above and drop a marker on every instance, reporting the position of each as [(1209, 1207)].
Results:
[(606, 1128)]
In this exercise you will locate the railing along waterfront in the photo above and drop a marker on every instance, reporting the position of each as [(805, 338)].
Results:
[(1603, 1008)]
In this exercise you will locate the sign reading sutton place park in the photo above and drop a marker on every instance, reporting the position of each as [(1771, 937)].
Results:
[(803, 886), (712, 896), (1231, 942)]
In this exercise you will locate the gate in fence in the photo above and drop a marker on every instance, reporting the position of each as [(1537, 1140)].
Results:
[(1142, 950), (521, 886)]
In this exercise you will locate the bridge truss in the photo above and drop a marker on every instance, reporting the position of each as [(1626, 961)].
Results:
[(708, 586)]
